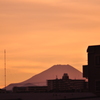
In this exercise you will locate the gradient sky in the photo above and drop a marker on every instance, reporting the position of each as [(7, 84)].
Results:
[(40, 33)]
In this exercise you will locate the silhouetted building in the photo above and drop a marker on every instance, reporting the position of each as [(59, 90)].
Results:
[(2, 91), (85, 71), (30, 89), (92, 70), (66, 84), (78, 85), (57, 85)]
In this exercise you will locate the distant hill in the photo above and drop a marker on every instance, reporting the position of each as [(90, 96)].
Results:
[(51, 73)]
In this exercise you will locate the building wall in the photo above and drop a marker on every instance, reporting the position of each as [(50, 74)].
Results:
[(93, 69), (85, 71), (78, 84)]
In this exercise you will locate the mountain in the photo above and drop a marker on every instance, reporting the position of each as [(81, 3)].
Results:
[(51, 73)]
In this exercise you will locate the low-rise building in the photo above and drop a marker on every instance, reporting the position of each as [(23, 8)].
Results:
[(30, 89)]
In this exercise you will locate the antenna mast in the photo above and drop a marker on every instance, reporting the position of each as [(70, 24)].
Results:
[(5, 69)]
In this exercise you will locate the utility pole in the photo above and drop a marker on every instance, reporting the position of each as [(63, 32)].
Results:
[(5, 69)]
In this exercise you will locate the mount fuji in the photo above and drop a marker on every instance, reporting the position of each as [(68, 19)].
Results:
[(51, 73)]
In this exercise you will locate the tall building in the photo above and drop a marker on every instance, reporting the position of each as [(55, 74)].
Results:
[(92, 70), (59, 84), (66, 84)]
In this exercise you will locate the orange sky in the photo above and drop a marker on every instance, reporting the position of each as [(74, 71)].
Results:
[(40, 33)]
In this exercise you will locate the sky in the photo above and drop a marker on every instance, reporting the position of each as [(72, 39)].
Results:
[(38, 34)]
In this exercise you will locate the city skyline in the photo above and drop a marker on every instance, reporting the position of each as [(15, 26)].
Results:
[(38, 34)]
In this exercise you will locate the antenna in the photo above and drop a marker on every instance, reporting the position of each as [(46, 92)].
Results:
[(56, 77), (5, 69)]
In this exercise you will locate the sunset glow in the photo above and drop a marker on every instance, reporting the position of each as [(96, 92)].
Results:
[(40, 33)]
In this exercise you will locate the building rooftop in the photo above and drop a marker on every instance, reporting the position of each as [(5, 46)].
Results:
[(93, 49)]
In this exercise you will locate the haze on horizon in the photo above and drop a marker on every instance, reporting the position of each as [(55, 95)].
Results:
[(40, 33)]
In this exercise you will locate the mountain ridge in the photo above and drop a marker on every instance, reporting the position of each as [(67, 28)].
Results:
[(48, 74)]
